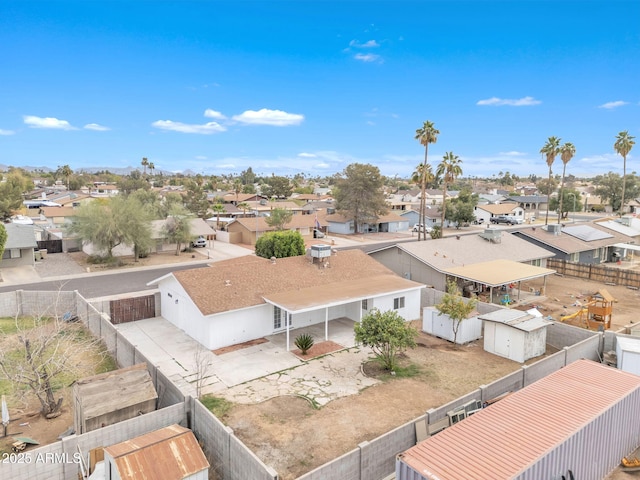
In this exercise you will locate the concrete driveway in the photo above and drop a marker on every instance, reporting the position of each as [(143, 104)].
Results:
[(258, 372)]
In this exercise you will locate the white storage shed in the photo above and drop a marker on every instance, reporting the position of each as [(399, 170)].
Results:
[(434, 323), (628, 353), (515, 334)]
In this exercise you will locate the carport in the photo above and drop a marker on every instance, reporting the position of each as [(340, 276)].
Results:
[(498, 273)]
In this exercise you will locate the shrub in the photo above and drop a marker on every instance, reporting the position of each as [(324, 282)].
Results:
[(304, 342)]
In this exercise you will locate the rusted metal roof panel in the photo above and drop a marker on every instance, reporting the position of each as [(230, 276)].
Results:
[(505, 439), (171, 453)]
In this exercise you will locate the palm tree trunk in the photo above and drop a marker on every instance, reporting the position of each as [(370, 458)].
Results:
[(546, 218), (423, 200), (624, 181), (564, 169), (444, 206)]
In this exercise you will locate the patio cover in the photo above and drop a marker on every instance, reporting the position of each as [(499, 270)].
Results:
[(498, 272), (313, 298)]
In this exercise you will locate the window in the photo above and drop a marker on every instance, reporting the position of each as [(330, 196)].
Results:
[(278, 315), (365, 304), (537, 262), (574, 257), (596, 253), (398, 303), (277, 318)]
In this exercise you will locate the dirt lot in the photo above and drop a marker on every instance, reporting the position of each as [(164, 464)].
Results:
[(293, 437)]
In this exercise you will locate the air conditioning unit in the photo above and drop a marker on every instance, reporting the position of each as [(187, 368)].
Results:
[(554, 228), (320, 251)]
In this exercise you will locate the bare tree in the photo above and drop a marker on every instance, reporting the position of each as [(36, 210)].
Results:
[(202, 365), (38, 352)]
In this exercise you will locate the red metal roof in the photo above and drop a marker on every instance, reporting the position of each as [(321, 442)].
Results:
[(504, 439)]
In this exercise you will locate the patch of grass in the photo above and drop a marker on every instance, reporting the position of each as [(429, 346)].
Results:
[(216, 405), (107, 364), (9, 325), (407, 371)]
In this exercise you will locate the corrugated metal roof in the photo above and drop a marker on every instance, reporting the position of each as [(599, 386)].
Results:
[(516, 319), (503, 440), (171, 453)]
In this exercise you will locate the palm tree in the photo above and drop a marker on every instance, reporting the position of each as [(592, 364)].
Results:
[(422, 175), (425, 135), (550, 149), (567, 151), (66, 172), (448, 169), (244, 206), (218, 208), (152, 167), (624, 144), (144, 163)]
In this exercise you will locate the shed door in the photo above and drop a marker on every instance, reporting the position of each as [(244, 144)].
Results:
[(503, 339)]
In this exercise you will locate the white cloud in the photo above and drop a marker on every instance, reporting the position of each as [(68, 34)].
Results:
[(206, 129), (366, 57), (47, 122), (322, 165), (610, 105), (96, 127), (367, 44), (227, 166), (513, 153), (512, 102), (307, 155), (275, 118), (209, 113), (6, 132)]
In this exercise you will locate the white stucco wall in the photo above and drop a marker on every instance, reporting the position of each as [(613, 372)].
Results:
[(411, 310), (237, 326)]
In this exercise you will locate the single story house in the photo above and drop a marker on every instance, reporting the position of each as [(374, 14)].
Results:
[(248, 230), (246, 298), (430, 262), (390, 222), (19, 250), (577, 422), (171, 453), (580, 243), (531, 204), (484, 213)]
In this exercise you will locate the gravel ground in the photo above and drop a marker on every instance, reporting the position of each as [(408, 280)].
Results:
[(58, 264)]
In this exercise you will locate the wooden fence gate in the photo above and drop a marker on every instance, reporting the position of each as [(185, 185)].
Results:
[(131, 309), (51, 246)]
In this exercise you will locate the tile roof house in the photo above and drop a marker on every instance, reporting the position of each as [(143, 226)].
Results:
[(20, 246), (251, 228), (577, 422), (580, 243), (432, 262), (171, 453), (247, 298)]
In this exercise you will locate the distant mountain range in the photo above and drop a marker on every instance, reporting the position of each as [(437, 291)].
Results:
[(116, 170)]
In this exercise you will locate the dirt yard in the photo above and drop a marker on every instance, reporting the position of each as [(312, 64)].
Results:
[(293, 437)]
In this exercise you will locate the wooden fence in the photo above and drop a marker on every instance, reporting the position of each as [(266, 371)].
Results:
[(131, 309), (596, 272)]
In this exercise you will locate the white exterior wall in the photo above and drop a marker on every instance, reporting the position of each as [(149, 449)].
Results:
[(341, 228), (442, 326), (535, 343), (237, 326), (177, 307), (411, 310), (628, 354), (514, 344)]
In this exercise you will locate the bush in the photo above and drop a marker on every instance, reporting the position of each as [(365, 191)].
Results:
[(304, 342)]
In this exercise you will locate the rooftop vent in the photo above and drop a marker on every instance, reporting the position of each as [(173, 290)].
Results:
[(554, 228), (273, 260), (492, 235), (227, 283)]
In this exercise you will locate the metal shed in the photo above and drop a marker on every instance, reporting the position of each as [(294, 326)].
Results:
[(439, 325), (112, 397), (581, 419), (514, 334), (628, 353)]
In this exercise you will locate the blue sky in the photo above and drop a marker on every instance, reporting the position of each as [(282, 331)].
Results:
[(312, 86)]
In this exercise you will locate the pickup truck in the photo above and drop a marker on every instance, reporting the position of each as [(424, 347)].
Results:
[(508, 219)]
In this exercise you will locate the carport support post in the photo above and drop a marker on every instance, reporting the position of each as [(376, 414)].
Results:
[(286, 319), (326, 323), (490, 294)]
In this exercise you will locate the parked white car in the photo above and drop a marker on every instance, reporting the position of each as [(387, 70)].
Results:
[(199, 242), (418, 227)]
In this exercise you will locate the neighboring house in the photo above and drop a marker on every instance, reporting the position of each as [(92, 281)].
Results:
[(316, 206), (171, 453), (490, 198), (57, 216), (530, 204), (550, 429), (248, 230), (312, 197), (397, 203), (582, 243), (231, 197), (484, 213), (103, 190), (429, 262), (390, 222), (247, 298), (19, 251), (412, 216)]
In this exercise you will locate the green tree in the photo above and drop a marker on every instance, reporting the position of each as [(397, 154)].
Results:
[(196, 198), (278, 218), (358, 194), (422, 175), (461, 209), (132, 182), (568, 200), (3, 239), (65, 172), (567, 152), (244, 206), (546, 187), (107, 224), (218, 208), (623, 145), (387, 334), (248, 177), (425, 135), (286, 243), (144, 164), (278, 187), (448, 170), (177, 227), (11, 191), (455, 307), (609, 188), (550, 150)]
